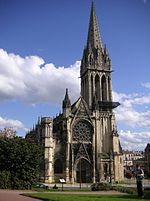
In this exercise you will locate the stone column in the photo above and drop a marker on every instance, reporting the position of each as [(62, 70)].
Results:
[(67, 162), (94, 153)]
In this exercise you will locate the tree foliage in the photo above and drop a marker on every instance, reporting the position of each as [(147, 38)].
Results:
[(19, 163)]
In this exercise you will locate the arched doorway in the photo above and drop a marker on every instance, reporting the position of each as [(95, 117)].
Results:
[(58, 167), (84, 171)]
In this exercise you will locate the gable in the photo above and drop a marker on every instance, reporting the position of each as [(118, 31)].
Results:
[(80, 109)]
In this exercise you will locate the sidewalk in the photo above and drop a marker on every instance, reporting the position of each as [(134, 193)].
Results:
[(13, 195)]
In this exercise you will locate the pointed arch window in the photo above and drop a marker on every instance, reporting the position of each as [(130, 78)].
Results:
[(97, 87), (92, 86), (104, 88), (109, 89)]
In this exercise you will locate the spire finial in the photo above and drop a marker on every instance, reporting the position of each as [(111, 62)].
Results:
[(92, 3), (66, 101), (94, 39)]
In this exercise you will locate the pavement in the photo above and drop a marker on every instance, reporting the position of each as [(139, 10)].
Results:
[(13, 195)]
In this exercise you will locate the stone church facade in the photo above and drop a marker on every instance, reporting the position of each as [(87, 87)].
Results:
[(82, 145)]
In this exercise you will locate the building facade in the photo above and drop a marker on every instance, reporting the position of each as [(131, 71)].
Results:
[(147, 160), (82, 143), (130, 158)]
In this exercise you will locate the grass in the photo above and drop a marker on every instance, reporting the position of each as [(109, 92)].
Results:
[(59, 190), (62, 197), (52, 195)]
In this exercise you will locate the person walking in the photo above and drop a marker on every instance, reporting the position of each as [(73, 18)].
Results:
[(139, 174)]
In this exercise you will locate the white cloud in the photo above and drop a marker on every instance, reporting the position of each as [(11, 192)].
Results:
[(134, 140), (10, 123), (146, 85), (127, 112), (132, 114), (30, 80)]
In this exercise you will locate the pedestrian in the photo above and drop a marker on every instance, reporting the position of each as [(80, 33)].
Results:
[(139, 174)]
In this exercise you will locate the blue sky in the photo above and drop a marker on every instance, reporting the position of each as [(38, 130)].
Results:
[(41, 45)]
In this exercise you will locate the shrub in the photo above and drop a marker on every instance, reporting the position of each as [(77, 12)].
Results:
[(5, 179), (129, 190), (102, 186)]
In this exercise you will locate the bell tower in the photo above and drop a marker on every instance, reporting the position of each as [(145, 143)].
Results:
[(96, 87), (96, 90)]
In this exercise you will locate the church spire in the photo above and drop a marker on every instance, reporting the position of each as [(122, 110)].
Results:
[(94, 38), (95, 68), (66, 101), (66, 106)]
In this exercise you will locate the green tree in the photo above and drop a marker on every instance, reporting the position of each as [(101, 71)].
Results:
[(19, 161)]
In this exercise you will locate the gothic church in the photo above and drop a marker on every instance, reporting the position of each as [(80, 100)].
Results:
[(82, 143)]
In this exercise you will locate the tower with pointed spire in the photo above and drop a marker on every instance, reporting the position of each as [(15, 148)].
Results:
[(95, 67), (96, 90), (81, 144)]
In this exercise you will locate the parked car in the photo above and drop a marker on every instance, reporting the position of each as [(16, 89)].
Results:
[(41, 186)]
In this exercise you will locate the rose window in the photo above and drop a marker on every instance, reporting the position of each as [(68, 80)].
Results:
[(82, 131)]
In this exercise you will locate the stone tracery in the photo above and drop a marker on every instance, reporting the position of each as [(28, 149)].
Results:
[(82, 132)]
